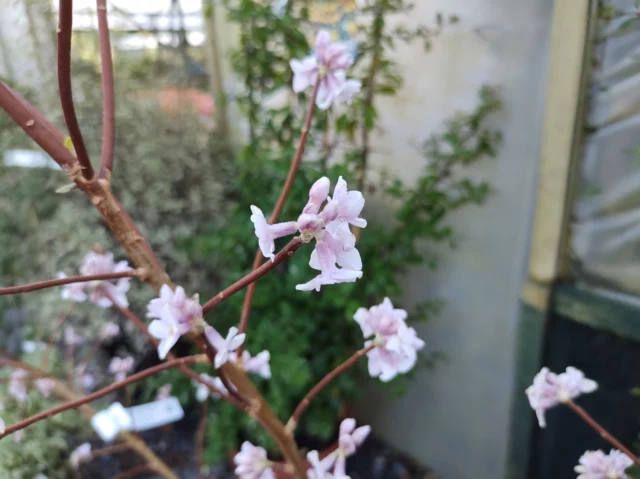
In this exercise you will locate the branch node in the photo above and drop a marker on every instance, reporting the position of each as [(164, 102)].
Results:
[(290, 427), (31, 122)]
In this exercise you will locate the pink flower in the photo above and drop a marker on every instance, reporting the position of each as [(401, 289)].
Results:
[(71, 338), (98, 292), (335, 254), (203, 392), (45, 386), (598, 465), (185, 311), (164, 392), (18, 385), (382, 319), (350, 204), (267, 234), (120, 367), (349, 440), (320, 468), (252, 463), (84, 379), (258, 364), (109, 330), (328, 64), (396, 354), (73, 291), (224, 346), (167, 329), (550, 389), (81, 454), (396, 344)]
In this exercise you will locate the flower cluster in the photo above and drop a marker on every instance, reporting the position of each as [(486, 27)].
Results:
[(109, 330), (350, 438), (550, 389), (203, 392), (173, 314), (598, 465), (99, 293), (335, 254), (252, 463), (45, 386), (224, 346), (328, 65), (18, 385), (396, 344), (119, 367), (258, 364)]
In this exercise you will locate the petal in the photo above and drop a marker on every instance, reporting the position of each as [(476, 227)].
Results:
[(323, 40), (360, 434), (279, 230), (159, 329), (347, 426), (326, 257), (222, 356), (237, 341), (214, 337), (350, 259), (315, 283), (166, 344), (314, 262)]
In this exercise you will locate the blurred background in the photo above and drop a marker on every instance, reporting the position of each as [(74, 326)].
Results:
[(495, 143)]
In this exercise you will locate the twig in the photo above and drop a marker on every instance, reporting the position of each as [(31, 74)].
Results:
[(133, 472), (102, 392), (324, 382), (65, 26), (284, 254), (50, 283), (586, 417), (52, 336), (108, 100), (202, 429), (286, 189), (123, 446)]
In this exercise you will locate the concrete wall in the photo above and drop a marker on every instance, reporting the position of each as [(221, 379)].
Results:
[(455, 417)]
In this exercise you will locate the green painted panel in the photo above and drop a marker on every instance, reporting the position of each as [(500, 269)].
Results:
[(614, 312), (528, 359)]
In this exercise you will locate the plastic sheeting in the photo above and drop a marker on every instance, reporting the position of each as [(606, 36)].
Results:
[(605, 233)]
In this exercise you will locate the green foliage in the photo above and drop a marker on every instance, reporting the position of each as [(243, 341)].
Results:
[(309, 334), (42, 448)]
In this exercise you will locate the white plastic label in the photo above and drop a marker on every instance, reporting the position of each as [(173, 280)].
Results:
[(116, 418), (156, 414)]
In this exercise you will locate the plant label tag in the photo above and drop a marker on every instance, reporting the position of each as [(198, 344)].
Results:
[(156, 413), (111, 421)]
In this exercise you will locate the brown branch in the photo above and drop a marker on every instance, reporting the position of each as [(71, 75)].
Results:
[(284, 193), (65, 392), (47, 136), (102, 392), (586, 417), (285, 253), (50, 283), (324, 382), (65, 27), (108, 100), (202, 429)]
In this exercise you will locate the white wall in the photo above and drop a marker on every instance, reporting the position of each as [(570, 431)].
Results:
[(455, 417)]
